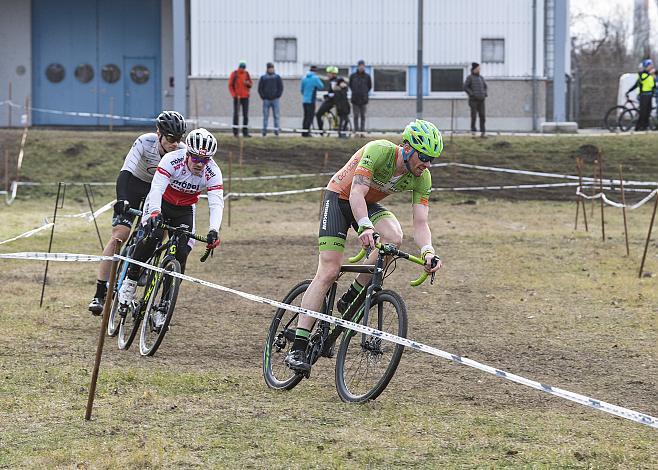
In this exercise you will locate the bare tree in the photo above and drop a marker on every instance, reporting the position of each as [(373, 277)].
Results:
[(599, 60)]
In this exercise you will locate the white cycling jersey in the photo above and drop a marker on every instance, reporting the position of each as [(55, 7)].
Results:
[(144, 156), (175, 183)]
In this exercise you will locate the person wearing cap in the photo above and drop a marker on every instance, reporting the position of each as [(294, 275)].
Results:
[(309, 86), (329, 102), (646, 83), (476, 89), (270, 89), (239, 85), (360, 85)]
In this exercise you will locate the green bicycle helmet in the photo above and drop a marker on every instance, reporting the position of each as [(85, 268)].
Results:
[(424, 137), (332, 69)]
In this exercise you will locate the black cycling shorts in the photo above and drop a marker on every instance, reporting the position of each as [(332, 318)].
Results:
[(136, 192), (336, 219)]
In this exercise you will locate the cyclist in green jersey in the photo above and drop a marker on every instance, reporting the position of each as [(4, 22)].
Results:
[(352, 199)]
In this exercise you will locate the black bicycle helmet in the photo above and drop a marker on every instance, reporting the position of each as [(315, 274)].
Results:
[(171, 123)]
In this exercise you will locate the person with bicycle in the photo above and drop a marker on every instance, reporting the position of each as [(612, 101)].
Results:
[(134, 183), (351, 198), (646, 83), (329, 102), (177, 184)]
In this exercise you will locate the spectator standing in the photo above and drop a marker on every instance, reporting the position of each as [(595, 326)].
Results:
[(476, 88), (328, 103), (360, 85), (309, 86), (342, 106), (270, 89), (646, 83), (239, 84)]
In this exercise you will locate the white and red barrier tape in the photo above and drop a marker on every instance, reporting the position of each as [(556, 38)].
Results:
[(609, 408)]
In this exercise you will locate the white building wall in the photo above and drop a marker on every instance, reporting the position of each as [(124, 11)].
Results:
[(16, 54), (382, 32)]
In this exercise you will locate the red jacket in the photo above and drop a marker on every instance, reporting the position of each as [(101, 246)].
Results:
[(239, 83)]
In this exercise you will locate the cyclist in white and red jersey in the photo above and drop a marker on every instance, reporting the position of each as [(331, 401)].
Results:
[(179, 179), (133, 185)]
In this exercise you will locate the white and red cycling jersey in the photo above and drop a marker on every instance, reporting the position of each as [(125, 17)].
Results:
[(174, 182)]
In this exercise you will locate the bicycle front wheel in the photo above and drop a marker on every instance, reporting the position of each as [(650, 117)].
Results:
[(366, 364), (122, 269), (628, 120), (279, 341), (160, 308)]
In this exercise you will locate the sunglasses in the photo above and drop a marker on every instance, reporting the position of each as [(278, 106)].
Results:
[(424, 158), (173, 139), (198, 159)]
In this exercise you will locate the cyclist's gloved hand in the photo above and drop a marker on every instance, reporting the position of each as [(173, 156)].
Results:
[(213, 239), (121, 206), (432, 263), (153, 222), (366, 234)]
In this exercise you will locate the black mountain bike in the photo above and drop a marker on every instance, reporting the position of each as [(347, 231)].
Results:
[(156, 295), (365, 364), (613, 117)]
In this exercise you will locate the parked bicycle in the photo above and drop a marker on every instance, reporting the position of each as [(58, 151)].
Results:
[(628, 120), (331, 122), (612, 119), (365, 364), (157, 293)]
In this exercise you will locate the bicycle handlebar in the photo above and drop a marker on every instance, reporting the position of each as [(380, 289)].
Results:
[(392, 250), (138, 213)]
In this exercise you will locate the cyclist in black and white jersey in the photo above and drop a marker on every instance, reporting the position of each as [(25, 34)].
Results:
[(134, 183)]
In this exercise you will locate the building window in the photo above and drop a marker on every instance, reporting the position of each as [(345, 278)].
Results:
[(390, 80), (285, 49), (447, 80), (493, 50), (111, 73), (55, 73), (140, 74), (84, 73)]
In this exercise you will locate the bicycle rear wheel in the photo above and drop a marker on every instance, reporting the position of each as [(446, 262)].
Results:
[(279, 340), (628, 120), (611, 119), (366, 364), (162, 301)]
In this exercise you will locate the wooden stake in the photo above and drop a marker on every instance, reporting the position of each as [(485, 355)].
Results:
[(241, 150), (623, 201), (579, 166), (9, 106), (601, 190), (7, 169), (50, 243), (91, 209), (101, 336), (111, 112), (230, 178), (646, 245), (326, 160)]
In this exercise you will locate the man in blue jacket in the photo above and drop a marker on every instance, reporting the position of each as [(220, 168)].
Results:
[(310, 84), (270, 89)]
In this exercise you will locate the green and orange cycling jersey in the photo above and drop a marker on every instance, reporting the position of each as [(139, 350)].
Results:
[(377, 161)]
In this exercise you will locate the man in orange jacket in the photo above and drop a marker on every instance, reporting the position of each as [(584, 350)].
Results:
[(239, 84)]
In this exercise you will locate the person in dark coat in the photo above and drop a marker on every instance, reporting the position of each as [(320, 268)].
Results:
[(476, 89), (360, 85), (646, 82), (342, 106), (270, 89), (328, 100)]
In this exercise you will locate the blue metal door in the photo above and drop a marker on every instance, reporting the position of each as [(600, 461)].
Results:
[(83, 54), (64, 61), (140, 85)]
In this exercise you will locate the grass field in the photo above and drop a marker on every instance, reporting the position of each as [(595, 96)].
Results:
[(521, 290)]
